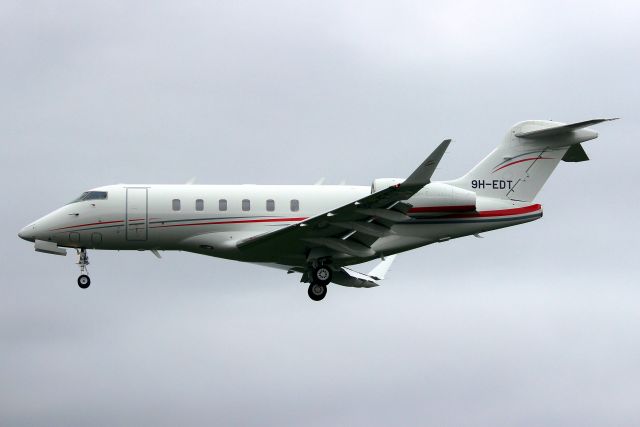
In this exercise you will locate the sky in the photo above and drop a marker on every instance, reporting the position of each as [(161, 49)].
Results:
[(533, 325)]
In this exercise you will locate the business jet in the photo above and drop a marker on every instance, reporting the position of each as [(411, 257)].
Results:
[(319, 231)]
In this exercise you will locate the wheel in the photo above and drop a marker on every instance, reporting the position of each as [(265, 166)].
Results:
[(84, 281), (317, 291), (322, 275)]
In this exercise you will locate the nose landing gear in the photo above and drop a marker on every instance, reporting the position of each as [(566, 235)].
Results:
[(83, 260)]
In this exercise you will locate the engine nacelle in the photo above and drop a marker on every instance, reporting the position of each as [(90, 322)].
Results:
[(434, 198), (382, 183)]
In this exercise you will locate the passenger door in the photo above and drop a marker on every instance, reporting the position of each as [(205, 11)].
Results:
[(137, 215)]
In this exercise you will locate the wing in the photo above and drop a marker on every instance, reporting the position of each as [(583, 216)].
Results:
[(350, 229)]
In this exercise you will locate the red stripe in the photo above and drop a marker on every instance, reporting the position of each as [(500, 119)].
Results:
[(443, 209), (499, 212), (234, 222), (523, 160), (137, 219), (84, 225)]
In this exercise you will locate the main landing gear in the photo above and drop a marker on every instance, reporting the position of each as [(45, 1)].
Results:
[(83, 260), (317, 291), (320, 277)]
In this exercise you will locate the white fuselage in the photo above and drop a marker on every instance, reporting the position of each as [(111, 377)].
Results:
[(318, 230), (210, 219)]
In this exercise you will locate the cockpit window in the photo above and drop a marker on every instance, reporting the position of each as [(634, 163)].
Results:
[(91, 195)]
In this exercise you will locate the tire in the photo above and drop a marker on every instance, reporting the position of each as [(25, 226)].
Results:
[(322, 275), (84, 281), (317, 291)]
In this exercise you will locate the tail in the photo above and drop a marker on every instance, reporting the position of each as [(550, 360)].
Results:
[(519, 167)]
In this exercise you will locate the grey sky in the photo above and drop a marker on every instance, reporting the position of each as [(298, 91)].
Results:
[(533, 325)]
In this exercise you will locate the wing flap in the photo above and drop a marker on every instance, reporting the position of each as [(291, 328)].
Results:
[(368, 228), (388, 214), (344, 246)]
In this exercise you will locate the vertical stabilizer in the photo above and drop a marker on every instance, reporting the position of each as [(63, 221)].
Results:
[(519, 167)]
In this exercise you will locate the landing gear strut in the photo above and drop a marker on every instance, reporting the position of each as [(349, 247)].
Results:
[(83, 260)]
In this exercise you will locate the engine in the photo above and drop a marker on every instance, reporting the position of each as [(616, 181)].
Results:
[(382, 183), (434, 198)]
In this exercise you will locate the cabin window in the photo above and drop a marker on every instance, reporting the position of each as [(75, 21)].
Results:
[(222, 204), (199, 204), (271, 205), (175, 204), (295, 205), (246, 204)]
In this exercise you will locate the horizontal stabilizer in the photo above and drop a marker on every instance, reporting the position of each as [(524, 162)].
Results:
[(575, 154), (558, 130)]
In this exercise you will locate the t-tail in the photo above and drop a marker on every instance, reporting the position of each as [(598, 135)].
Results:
[(519, 167)]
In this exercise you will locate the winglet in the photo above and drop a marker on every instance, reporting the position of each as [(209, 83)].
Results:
[(353, 279), (381, 270), (422, 175)]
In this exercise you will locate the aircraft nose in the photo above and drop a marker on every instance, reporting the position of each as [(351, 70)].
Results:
[(28, 233)]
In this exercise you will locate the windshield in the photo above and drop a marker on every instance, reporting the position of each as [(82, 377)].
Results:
[(91, 195)]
